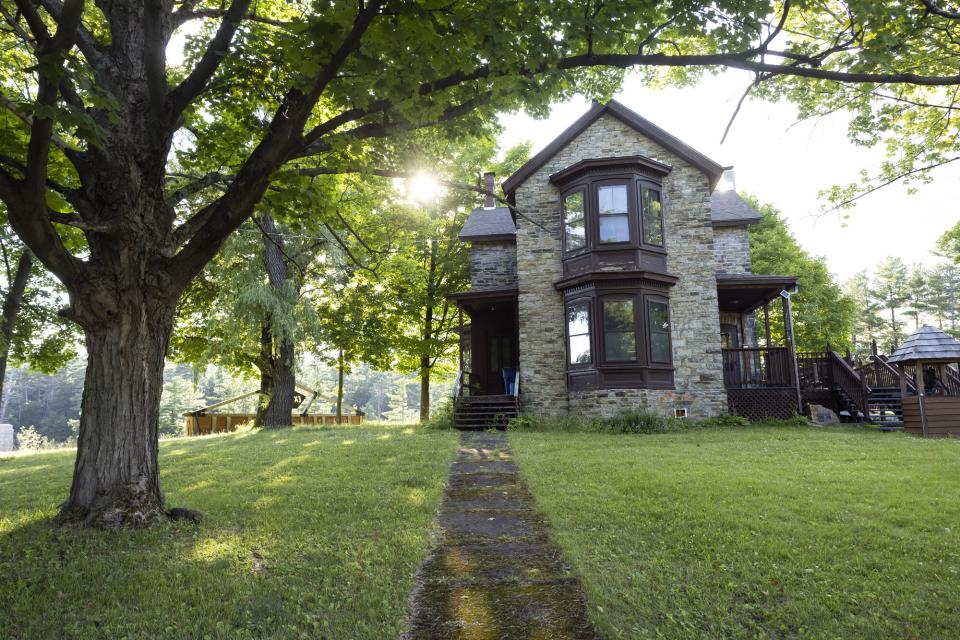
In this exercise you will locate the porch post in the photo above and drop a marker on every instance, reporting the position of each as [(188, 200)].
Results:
[(791, 347), (460, 332), (921, 392), (766, 322)]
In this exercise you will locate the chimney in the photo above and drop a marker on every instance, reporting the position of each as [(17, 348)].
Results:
[(489, 188), (728, 181)]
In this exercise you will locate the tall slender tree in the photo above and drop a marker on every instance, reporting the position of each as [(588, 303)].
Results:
[(890, 291)]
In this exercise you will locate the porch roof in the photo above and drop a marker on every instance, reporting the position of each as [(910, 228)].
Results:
[(744, 292), (471, 299)]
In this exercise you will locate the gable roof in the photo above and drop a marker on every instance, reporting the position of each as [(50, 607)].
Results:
[(728, 209), (928, 344), (487, 225), (629, 118)]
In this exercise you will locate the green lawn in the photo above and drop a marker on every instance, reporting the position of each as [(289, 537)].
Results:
[(308, 532), (771, 532)]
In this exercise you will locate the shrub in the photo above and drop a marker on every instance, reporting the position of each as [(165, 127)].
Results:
[(640, 421), (442, 419), (725, 420), (30, 439), (533, 422)]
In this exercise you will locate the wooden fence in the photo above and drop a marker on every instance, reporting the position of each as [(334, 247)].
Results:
[(223, 422)]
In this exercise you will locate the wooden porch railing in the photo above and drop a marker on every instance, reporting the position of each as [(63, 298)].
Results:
[(756, 367), (851, 382), (877, 372), (465, 384), (468, 384)]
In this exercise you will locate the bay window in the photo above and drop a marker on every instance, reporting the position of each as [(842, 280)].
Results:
[(658, 318), (651, 215), (614, 214), (578, 333), (619, 330), (629, 323)]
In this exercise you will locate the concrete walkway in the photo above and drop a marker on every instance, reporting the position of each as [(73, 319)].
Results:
[(494, 575)]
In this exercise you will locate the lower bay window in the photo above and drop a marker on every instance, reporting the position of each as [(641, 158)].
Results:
[(618, 338)]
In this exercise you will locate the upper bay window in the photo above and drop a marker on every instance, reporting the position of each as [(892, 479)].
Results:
[(614, 213), (619, 213), (574, 222)]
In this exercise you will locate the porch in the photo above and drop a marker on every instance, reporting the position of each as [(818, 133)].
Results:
[(486, 391), (761, 381)]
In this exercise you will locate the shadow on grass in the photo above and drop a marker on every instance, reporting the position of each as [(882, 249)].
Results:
[(296, 539)]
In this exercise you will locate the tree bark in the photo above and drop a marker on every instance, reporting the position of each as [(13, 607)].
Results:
[(340, 387), (265, 364), (116, 479), (279, 409), (11, 309)]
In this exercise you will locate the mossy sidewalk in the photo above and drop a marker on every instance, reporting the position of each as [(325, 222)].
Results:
[(494, 573)]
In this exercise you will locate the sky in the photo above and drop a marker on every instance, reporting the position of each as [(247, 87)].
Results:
[(785, 163)]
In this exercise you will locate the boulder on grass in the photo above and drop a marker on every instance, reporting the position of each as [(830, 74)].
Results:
[(822, 416)]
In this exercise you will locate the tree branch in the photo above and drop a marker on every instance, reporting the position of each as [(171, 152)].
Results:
[(92, 50), (26, 213), (198, 185), (217, 49), (888, 182), (180, 17), (933, 8)]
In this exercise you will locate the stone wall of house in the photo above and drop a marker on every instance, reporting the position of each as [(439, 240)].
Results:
[(493, 265), (693, 301), (732, 247)]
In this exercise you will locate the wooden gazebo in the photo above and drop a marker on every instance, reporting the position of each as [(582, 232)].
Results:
[(929, 382)]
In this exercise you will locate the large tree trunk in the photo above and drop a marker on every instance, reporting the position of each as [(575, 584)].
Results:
[(116, 479), (279, 409), (11, 309)]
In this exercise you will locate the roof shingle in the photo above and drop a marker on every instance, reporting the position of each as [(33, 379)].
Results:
[(928, 344), (489, 225), (728, 209)]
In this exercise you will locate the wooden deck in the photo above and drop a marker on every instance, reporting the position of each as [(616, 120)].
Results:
[(224, 422)]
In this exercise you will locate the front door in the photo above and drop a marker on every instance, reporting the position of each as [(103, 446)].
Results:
[(493, 332), (501, 355)]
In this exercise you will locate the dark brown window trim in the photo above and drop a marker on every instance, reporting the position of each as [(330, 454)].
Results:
[(600, 373), (633, 164), (589, 185)]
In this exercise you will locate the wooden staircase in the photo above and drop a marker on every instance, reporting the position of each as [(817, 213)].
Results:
[(474, 411), (485, 412)]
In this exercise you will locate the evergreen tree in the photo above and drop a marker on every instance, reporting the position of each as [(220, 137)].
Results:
[(889, 290), (867, 323), (917, 293)]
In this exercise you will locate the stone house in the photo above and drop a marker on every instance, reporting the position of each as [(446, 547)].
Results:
[(618, 276)]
